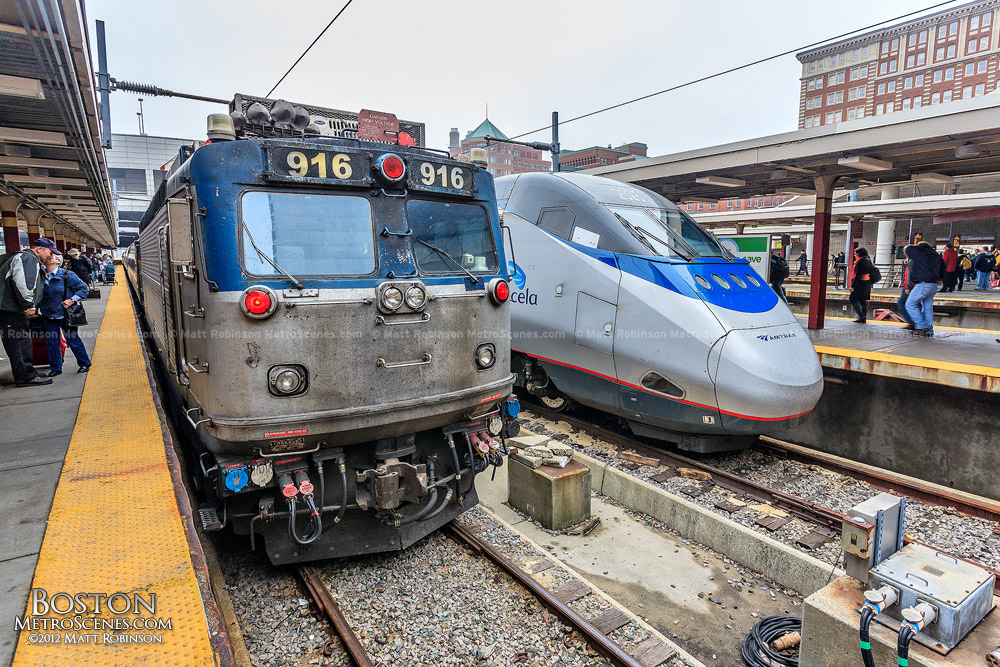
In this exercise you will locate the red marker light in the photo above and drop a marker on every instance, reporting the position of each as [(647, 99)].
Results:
[(257, 302), (392, 167), (502, 291)]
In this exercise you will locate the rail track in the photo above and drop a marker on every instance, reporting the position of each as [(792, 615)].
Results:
[(827, 521), (606, 647)]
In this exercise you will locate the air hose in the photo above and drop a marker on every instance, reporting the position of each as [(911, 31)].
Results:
[(906, 633), (315, 516), (757, 651)]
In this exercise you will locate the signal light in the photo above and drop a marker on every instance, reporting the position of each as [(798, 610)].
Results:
[(258, 302), (391, 167), (499, 290)]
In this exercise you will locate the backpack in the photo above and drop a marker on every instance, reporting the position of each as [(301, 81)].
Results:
[(965, 263), (779, 268), (5, 262), (875, 274)]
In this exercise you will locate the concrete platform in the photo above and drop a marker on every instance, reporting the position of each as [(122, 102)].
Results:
[(37, 425), (966, 309), (662, 577), (830, 634), (952, 357)]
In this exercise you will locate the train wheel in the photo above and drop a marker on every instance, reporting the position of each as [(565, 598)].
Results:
[(556, 402)]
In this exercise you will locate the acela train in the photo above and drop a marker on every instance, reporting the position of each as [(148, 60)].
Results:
[(331, 318), (622, 302)]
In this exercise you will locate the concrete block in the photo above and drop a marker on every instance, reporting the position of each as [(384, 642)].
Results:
[(830, 634), (787, 566), (525, 441), (558, 449), (555, 497), (530, 461), (556, 461), (538, 450)]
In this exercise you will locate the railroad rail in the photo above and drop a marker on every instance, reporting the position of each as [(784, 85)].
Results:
[(324, 600), (825, 519), (595, 638)]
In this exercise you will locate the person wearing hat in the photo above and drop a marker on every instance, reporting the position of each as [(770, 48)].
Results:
[(21, 288), (62, 289), (80, 265)]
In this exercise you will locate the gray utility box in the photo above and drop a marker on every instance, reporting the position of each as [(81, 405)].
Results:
[(962, 593), (872, 532)]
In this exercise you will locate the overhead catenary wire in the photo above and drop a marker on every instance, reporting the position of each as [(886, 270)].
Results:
[(312, 44), (707, 77)]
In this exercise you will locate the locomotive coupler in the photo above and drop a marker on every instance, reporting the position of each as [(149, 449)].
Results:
[(391, 484)]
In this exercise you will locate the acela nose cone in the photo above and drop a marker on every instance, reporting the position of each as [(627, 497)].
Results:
[(768, 378)]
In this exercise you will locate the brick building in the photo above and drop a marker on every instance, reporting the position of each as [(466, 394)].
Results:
[(945, 56), (596, 156), (503, 158), (737, 204)]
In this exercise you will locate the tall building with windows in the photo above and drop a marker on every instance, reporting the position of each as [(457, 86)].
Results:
[(503, 158), (598, 156), (137, 164), (935, 59)]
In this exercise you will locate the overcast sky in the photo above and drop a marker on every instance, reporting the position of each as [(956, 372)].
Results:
[(442, 61)]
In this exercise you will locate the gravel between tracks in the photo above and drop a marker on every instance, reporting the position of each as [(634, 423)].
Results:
[(940, 527), (432, 604)]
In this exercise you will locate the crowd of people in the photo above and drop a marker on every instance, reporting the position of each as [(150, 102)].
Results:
[(42, 289)]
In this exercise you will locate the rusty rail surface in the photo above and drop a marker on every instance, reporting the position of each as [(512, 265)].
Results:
[(324, 600), (595, 638), (821, 516)]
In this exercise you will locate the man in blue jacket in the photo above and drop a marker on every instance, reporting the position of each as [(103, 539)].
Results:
[(926, 270), (984, 263), (62, 289)]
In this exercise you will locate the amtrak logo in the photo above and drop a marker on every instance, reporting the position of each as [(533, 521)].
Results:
[(516, 275), (768, 337)]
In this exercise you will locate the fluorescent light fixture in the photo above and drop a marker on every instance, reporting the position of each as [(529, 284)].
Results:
[(18, 86), (17, 161), (17, 135), (967, 150), (721, 180), (864, 163), (779, 174), (42, 180), (796, 191), (931, 177)]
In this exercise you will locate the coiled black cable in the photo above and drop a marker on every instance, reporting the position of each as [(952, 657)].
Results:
[(757, 651), (867, 614)]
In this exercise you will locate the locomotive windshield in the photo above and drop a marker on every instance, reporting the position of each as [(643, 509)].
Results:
[(668, 232), (308, 234), (451, 238)]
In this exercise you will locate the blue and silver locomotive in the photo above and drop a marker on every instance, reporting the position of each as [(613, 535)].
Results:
[(620, 301), (331, 317)]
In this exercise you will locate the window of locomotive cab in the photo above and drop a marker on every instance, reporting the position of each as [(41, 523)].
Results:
[(681, 224), (558, 221), (461, 230), (308, 234)]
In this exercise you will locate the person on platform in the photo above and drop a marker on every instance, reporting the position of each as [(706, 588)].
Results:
[(926, 271), (779, 272), (62, 289), (861, 284), (840, 270), (80, 265), (984, 263), (21, 291), (904, 295), (964, 266), (803, 264), (950, 257)]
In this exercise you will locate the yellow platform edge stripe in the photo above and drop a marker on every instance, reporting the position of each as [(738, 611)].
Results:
[(115, 526), (917, 362)]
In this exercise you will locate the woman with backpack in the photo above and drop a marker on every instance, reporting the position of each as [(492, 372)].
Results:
[(861, 285)]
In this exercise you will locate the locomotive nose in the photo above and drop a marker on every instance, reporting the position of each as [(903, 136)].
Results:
[(768, 379)]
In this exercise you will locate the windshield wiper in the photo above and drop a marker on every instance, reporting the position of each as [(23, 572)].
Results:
[(643, 232), (474, 277), (265, 257)]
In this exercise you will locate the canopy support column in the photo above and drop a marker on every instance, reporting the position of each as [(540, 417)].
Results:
[(821, 251)]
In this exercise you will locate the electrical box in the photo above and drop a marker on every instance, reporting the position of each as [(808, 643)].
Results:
[(962, 593), (872, 532)]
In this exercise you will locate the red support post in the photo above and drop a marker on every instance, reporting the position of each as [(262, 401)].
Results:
[(8, 212), (821, 251)]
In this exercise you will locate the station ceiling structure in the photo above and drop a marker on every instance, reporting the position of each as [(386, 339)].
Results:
[(930, 144), (51, 155)]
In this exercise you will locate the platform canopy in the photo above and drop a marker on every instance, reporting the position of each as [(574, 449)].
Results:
[(51, 156), (947, 140)]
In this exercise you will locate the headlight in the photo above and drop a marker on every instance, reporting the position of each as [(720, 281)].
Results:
[(287, 380), (392, 298), (416, 297), (485, 356)]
